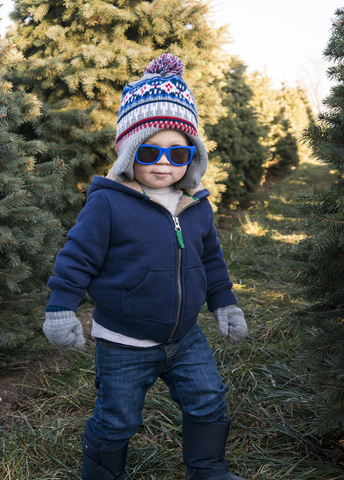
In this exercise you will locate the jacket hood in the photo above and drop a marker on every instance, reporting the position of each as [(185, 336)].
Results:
[(134, 188), (123, 167)]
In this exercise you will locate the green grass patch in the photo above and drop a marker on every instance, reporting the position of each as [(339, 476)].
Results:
[(270, 404)]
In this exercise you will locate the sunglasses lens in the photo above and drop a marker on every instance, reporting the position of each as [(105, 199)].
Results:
[(147, 154), (180, 156)]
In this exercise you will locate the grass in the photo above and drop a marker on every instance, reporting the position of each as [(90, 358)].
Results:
[(270, 403)]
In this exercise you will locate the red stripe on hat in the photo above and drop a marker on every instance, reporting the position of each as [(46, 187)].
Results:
[(155, 119), (167, 124)]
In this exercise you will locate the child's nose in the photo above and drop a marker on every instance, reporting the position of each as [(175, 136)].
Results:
[(163, 160)]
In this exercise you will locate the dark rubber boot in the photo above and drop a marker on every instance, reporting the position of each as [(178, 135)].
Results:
[(204, 450), (103, 459)]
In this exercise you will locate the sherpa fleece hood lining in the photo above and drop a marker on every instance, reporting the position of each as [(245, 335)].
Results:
[(184, 201)]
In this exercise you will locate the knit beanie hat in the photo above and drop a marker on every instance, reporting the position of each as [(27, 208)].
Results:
[(160, 100)]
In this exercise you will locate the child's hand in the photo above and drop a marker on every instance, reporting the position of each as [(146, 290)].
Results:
[(63, 329), (231, 323)]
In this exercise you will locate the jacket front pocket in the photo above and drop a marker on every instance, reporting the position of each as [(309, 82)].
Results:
[(155, 298)]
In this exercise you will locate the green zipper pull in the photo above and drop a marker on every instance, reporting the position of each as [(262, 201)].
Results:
[(178, 231)]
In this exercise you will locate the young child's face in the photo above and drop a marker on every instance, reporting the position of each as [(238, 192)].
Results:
[(163, 173)]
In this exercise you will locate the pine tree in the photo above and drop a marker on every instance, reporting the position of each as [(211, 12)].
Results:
[(29, 233), (283, 113), (81, 54), (238, 135), (317, 265)]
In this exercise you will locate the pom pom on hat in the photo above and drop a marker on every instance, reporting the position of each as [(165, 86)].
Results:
[(166, 63)]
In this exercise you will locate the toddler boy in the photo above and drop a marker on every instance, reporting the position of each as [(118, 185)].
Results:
[(146, 250)]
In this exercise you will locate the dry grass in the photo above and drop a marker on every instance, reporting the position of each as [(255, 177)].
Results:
[(270, 404)]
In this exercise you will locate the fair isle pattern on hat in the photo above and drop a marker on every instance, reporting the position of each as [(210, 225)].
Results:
[(161, 102)]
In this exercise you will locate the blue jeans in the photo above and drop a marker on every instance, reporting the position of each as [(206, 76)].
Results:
[(124, 375)]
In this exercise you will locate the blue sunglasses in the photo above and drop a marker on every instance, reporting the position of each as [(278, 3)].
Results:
[(151, 154)]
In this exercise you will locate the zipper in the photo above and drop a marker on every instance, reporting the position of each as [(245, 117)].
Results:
[(178, 232), (181, 245)]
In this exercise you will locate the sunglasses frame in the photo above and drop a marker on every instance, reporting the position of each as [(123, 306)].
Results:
[(167, 151)]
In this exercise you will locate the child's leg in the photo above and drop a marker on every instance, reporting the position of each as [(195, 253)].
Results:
[(197, 387), (123, 376)]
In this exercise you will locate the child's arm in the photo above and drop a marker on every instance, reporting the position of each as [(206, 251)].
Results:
[(219, 286), (83, 255), (76, 264), (220, 298)]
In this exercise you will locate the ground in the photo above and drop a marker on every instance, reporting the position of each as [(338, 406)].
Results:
[(47, 400), (21, 379)]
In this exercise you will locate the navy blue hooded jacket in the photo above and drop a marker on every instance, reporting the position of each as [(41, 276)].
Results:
[(149, 273)]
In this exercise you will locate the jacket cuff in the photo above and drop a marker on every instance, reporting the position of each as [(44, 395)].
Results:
[(64, 299), (221, 299), (56, 309)]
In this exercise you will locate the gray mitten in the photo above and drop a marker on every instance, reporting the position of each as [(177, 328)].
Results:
[(63, 329), (231, 323)]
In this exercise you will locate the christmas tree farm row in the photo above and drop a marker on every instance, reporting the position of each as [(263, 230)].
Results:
[(58, 121)]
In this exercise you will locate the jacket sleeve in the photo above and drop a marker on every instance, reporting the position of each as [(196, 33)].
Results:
[(83, 254), (219, 286)]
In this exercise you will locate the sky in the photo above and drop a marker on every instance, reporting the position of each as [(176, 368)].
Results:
[(284, 39)]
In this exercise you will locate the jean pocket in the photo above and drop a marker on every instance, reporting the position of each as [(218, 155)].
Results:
[(154, 298), (195, 291)]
